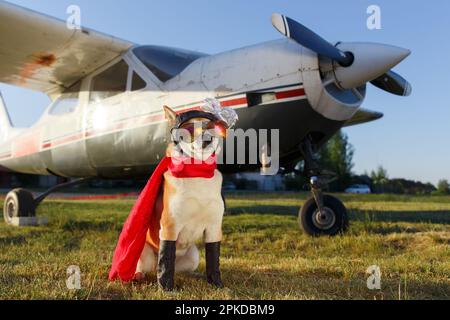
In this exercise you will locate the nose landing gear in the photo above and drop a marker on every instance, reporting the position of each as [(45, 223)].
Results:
[(321, 214)]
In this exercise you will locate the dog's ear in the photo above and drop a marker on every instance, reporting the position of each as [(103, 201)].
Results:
[(171, 115)]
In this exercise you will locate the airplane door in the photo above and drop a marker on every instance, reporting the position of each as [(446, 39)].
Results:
[(147, 137), (125, 129), (63, 136), (104, 120)]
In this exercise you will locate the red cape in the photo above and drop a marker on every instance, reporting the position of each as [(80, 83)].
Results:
[(134, 232)]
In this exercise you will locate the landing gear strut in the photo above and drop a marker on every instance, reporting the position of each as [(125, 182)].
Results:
[(321, 214), (20, 205)]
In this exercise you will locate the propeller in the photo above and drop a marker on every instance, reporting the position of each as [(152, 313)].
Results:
[(393, 83), (362, 71), (307, 38)]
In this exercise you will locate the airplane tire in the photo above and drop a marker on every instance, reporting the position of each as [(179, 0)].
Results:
[(332, 223), (18, 203)]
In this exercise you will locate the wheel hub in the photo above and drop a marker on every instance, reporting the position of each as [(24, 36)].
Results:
[(10, 209), (324, 220)]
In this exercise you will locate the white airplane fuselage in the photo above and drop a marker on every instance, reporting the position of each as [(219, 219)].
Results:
[(273, 85)]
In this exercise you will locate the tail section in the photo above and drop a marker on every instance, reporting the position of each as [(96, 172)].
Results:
[(5, 121)]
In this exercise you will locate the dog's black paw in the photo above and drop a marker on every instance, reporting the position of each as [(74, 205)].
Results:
[(166, 284), (216, 283)]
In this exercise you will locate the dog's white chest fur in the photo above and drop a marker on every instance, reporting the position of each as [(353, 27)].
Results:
[(196, 207)]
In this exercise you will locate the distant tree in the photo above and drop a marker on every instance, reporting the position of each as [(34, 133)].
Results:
[(362, 179), (443, 187), (382, 184), (379, 176), (404, 186), (337, 156), (380, 179)]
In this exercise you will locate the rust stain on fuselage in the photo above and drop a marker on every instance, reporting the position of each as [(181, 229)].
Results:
[(40, 60)]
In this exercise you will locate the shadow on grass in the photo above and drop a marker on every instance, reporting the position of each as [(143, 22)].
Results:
[(266, 209), (5, 262), (248, 283), (84, 225), (310, 282), (20, 239), (13, 240), (442, 217)]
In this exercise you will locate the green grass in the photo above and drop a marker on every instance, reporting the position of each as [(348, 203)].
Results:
[(265, 255)]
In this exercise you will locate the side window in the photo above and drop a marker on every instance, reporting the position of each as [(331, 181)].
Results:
[(137, 83), (110, 82), (67, 102)]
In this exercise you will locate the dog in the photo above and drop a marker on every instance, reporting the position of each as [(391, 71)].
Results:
[(189, 205)]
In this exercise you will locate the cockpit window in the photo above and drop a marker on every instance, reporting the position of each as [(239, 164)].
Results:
[(110, 82), (137, 83), (165, 63), (67, 102)]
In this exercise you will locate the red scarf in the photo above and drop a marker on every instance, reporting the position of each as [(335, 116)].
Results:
[(132, 239)]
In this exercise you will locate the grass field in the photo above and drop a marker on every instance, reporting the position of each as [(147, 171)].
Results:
[(265, 255)]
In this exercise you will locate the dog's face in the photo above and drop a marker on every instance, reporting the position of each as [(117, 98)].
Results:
[(197, 138)]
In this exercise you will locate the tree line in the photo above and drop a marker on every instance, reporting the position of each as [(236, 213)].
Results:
[(337, 156)]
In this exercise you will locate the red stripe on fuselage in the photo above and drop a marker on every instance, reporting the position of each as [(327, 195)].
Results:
[(290, 94), (26, 145), (234, 102), (126, 124)]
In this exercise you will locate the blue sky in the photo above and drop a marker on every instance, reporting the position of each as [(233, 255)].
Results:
[(411, 141)]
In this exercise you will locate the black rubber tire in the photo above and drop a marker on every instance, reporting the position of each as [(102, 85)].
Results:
[(309, 209), (18, 203)]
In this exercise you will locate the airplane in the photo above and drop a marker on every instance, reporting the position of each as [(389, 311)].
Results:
[(106, 118)]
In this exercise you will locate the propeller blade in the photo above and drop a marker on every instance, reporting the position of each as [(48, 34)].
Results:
[(307, 38), (393, 83)]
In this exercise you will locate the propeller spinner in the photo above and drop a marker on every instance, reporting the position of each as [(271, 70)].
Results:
[(357, 63)]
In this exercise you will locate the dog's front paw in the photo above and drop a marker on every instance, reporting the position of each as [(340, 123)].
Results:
[(216, 282), (139, 277), (166, 287), (212, 254), (166, 265), (165, 283)]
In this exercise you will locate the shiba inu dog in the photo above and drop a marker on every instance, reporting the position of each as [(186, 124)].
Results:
[(188, 205)]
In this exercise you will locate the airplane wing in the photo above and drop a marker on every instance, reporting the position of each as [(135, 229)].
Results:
[(41, 53), (363, 116)]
